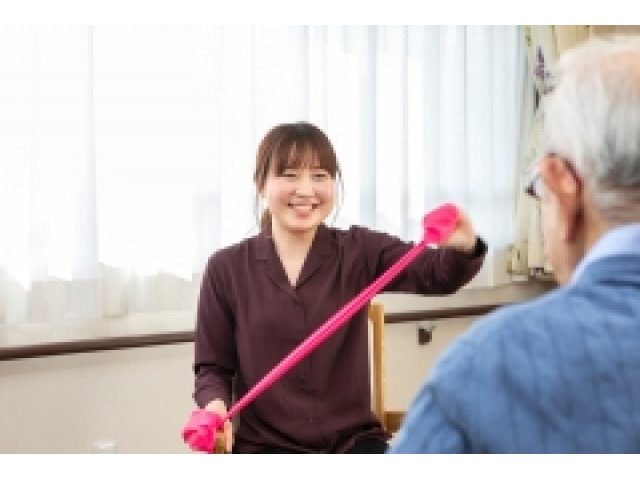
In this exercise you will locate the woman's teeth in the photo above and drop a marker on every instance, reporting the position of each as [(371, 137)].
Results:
[(303, 208)]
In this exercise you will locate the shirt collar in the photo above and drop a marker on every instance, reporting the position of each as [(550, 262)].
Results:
[(321, 245), (617, 241)]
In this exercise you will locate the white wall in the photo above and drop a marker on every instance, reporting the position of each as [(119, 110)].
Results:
[(408, 363), (63, 404), (141, 397)]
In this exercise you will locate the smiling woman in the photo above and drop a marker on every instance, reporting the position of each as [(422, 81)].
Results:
[(264, 295)]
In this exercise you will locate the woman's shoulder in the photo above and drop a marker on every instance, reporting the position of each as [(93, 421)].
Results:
[(359, 235), (349, 230), (346, 234), (231, 255)]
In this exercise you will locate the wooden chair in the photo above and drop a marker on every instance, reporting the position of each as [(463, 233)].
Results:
[(390, 419)]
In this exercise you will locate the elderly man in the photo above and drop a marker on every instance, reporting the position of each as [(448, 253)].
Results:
[(560, 373)]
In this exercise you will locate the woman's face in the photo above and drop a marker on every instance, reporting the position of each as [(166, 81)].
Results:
[(300, 198)]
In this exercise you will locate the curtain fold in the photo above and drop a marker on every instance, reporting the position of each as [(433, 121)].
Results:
[(127, 152), (544, 43)]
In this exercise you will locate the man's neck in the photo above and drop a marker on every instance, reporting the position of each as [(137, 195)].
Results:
[(596, 228)]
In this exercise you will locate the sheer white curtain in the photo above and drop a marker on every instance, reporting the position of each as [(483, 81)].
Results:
[(127, 153)]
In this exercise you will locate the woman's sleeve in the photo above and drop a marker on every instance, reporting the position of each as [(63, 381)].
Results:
[(215, 350), (435, 271)]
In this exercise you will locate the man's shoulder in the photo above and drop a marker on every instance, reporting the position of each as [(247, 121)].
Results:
[(491, 339), (515, 349), (509, 318)]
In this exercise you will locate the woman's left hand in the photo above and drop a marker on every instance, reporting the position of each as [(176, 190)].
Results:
[(463, 237)]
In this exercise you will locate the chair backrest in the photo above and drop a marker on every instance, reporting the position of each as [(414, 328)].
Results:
[(389, 419), (378, 386)]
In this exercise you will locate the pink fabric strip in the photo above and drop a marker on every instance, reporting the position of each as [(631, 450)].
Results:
[(437, 226)]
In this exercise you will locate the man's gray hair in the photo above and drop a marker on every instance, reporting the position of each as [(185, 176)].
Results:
[(592, 119)]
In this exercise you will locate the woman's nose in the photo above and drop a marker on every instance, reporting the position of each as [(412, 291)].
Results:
[(304, 186)]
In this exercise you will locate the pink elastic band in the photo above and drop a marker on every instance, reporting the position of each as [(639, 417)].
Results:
[(201, 428)]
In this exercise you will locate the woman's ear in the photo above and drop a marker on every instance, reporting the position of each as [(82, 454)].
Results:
[(562, 183)]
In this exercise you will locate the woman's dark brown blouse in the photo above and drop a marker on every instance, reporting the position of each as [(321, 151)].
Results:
[(250, 317)]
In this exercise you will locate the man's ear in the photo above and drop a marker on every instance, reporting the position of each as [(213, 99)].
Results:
[(566, 189)]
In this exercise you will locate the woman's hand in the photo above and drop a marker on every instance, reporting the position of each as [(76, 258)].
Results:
[(218, 407), (463, 237)]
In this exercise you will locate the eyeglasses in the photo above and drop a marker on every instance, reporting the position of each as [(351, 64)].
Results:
[(535, 185)]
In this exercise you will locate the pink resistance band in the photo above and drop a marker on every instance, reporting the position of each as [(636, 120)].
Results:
[(201, 429)]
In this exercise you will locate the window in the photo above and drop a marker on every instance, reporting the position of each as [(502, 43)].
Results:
[(127, 152)]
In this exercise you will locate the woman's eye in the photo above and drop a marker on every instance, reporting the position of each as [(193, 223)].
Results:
[(320, 175)]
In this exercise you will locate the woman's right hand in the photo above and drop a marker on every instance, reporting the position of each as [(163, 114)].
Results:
[(218, 407)]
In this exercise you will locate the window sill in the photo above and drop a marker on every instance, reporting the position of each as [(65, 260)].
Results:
[(85, 339), (31, 340)]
